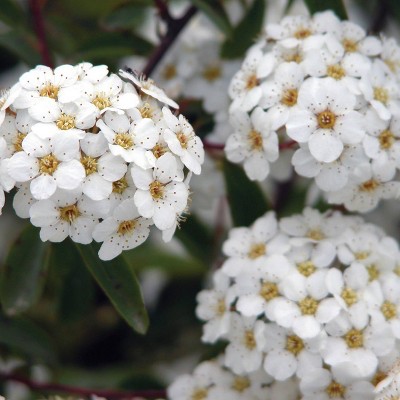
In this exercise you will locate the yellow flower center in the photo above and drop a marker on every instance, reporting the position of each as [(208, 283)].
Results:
[(18, 141), (269, 290), (183, 140), (308, 306), (335, 390), (306, 268), (249, 340), (326, 119), (389, 310), (252, 82), (386, 139), (199, 394), (124, 140), (69, 213), (349, 45), (256, 140), (120, 185), (381, 94), (293, 57), (315, 234), (156, 190), (49, 90), (212, 72), (378, 377), (240, 384), (392, 64), (302, 33), (354, 338), (289, 97), (369, 186), (146, 111), (373, 272), (256, 250), (336, 71), (65, 122), (90, 164), (126, 227), (294, 344), (159, 150), (349, 296), (361, 255), (48, 164), (220, 307), (101, 101)]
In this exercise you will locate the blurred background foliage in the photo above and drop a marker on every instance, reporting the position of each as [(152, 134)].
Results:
[(63, 308)]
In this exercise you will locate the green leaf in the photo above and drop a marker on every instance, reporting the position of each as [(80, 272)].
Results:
[(130, 16), (215, 11), (25, 337), (149, 255), (246, 200), (24, 272), (109, 46), (12, 14), (245, 32), (336, 6), (22, 45), (120, 284), (196, 238), (76, 295)]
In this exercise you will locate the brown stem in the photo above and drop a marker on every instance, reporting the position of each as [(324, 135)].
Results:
[(57, 387), (173, 29), (38, 23), (163, 10)]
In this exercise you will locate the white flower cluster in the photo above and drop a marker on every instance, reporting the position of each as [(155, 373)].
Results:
[(312, 301), (95, 157), (324, 87)]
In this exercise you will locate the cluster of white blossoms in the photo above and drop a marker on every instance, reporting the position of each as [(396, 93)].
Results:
[(311, 301), (94, 156), (323, 87)]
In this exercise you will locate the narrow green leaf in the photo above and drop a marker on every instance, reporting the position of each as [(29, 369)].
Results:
[(150, 255), (245, 32), (196, 238), (120, 284), (12, 14), (246, 200), (24, 272), (215, 11), (76, 294), (337, 6), (23, 336), (104, 47), (129, 16)]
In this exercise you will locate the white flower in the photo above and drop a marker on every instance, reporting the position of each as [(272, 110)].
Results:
[(48, 163), (245, 86), (129, 140), (213, 307), (148, 87), (183, 142), (325, 118), (161, 194), (246, 342), (101, 172), (108, 94), (41, 89), (67, 213), (125, 229), (367, 185), (254, 142)]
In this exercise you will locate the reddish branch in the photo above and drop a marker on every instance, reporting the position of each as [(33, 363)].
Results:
[(174, 27), (59, 388), (38, 22)]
